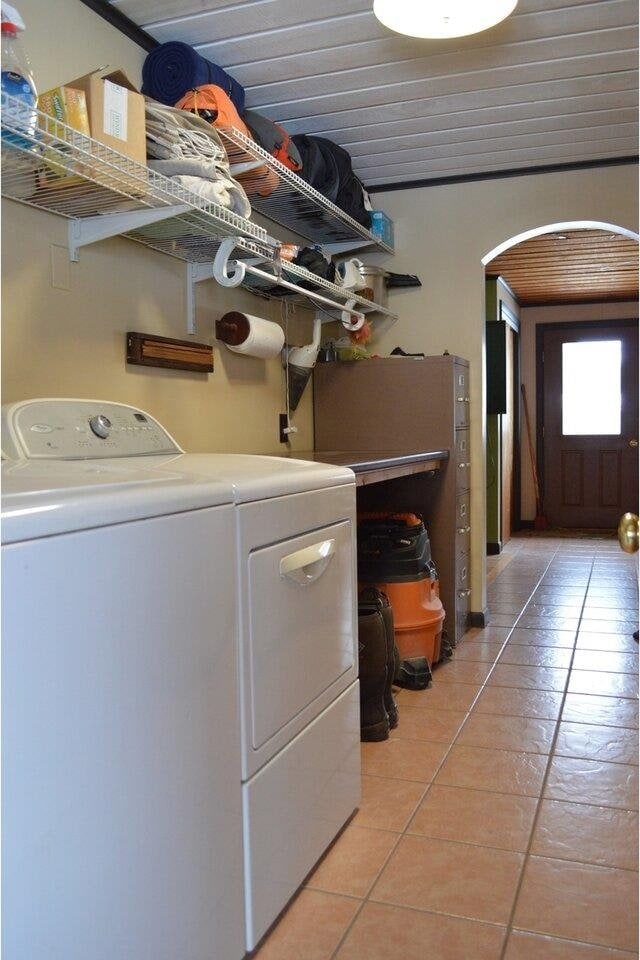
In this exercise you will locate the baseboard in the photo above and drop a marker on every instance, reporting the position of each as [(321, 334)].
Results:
[(478, 618), (494, 547)]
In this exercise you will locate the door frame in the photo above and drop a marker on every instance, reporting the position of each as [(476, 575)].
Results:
[(515, 520), (541, 329)]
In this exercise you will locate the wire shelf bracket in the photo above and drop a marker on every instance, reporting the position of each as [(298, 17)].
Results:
[(102, 227), (195, 273)]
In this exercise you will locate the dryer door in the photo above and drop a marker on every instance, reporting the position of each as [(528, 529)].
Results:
[(301, 625)]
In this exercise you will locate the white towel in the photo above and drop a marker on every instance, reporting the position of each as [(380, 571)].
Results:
[(226, 193)]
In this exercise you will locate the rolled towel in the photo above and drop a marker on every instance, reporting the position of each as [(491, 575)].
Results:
[(174, 67), (188, 167), (226, 193)]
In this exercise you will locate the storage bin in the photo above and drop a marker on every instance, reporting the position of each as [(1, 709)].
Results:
[(418, 616), (382, 227)]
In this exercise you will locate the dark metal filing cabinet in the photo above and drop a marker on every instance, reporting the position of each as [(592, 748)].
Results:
[(402, 404)]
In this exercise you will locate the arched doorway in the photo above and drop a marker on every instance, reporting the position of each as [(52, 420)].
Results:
[(574, 281)]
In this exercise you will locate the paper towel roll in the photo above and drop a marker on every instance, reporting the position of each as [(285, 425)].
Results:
[(254, 336)]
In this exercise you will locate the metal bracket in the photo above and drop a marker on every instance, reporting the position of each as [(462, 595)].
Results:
[(196, 273), (92, 229)]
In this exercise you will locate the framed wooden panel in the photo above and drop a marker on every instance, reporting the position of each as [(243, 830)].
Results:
[(148, 350)]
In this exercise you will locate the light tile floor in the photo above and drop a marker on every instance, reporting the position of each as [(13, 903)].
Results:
[(500, 820)]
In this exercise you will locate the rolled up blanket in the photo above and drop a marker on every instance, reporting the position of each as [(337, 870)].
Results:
[(174, 67), (226, 193)]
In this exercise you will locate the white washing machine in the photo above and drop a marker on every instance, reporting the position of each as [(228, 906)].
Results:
[(121, 806), (294, 550)]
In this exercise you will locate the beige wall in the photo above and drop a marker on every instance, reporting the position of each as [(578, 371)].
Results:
[(529, 318), (72, 342), (442, 234)]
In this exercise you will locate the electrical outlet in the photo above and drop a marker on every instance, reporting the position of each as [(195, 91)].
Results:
[(60, 268)]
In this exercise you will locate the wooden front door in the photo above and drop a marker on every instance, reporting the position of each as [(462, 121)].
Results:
[(588, 405)]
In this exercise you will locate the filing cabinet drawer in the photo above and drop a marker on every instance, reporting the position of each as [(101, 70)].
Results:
[(462, 616), (463, 594), (463, 540), (463, 450), (462, 459), (463, 511), (462, 396), (463, 576)]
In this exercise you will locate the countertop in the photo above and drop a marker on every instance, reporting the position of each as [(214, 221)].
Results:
[(376, 466)]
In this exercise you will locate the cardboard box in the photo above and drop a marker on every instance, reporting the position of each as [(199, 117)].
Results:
[(116, 111)]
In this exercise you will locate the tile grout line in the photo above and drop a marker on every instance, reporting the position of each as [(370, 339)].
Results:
[(536, 817), (401, 835)]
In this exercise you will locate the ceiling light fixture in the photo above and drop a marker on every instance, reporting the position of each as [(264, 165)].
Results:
[(440, 19)]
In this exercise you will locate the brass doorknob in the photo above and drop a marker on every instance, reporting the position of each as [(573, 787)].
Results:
[(633, 443), (628, 532)]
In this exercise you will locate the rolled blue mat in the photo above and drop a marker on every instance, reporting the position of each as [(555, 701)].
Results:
[(173, 68)]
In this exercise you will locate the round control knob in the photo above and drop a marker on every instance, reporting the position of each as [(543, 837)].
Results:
[(100, 425)]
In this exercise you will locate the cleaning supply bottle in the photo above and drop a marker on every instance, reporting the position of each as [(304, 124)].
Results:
[(17, 81)]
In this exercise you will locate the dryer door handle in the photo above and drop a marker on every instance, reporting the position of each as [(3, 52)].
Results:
[(307, 565)]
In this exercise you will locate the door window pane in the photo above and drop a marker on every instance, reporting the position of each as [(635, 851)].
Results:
[(591, 393)]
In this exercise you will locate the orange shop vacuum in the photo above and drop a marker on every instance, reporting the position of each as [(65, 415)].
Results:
[(394, 554)]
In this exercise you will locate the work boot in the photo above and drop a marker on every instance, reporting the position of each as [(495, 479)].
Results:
[(375, 597), (372, 647), (393, 661)]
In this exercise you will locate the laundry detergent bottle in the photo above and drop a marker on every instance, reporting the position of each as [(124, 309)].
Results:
[(17, 82)]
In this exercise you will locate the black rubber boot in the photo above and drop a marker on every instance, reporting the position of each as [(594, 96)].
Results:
[(393, 661), (376, 599), (372, 645)]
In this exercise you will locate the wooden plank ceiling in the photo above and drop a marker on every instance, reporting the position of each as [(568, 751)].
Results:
[(580, 266), (554, 83)]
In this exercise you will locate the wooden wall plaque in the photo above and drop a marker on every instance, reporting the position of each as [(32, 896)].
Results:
[(147, 350)]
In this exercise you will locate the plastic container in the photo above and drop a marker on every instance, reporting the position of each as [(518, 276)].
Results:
[(418, 616), (382, 227), (372, 284), (18, 82)]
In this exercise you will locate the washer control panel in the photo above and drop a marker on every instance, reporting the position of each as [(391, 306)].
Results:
[(81, 430)]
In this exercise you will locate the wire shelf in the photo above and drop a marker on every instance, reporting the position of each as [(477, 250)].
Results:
[(49, 165), (285, 198)]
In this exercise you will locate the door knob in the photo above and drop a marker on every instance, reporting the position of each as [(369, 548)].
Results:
[(628, 532), (633, 443)]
